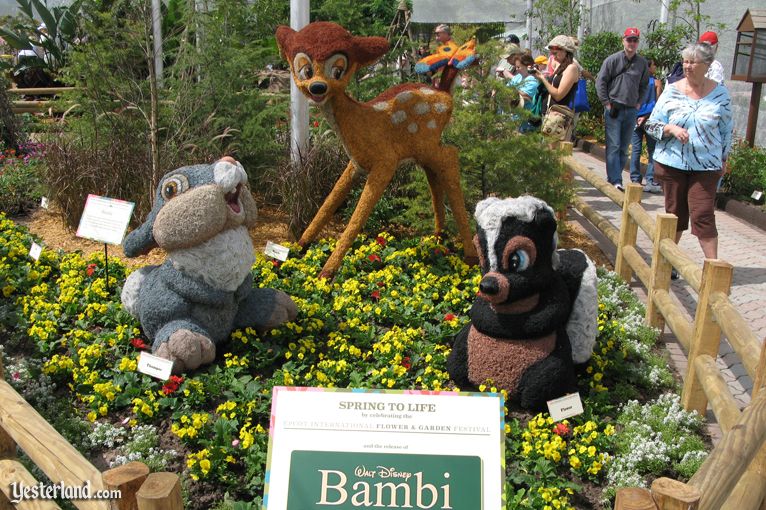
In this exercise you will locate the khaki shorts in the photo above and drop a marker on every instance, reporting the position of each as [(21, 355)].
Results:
[(690, 194)]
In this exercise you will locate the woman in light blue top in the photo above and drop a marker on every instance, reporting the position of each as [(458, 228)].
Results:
[(692, 123), (525, 83)]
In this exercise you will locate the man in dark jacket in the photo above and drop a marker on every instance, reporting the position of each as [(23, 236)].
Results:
[(621, 85)]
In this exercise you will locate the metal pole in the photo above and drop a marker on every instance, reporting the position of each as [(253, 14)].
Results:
[(157, 36), (529, 24), (299, 106), (581, 22), (664, 11)]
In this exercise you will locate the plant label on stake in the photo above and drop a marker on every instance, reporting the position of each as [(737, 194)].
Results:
[(756, 195), (565, 407), (276, 251), (154, 366), (35, 251), (105, 219), (44, 202)]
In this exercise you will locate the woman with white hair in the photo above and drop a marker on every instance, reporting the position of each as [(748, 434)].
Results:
[(692, 123)]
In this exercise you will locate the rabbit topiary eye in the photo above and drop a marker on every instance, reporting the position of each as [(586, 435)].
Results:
[(174, 185)]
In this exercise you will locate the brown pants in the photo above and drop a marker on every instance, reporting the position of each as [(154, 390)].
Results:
[(690, 194)]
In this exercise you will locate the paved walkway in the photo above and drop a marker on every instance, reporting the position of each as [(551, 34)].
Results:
[(740, 244)]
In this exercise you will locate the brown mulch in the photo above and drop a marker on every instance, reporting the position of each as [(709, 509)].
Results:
[(272, 226)]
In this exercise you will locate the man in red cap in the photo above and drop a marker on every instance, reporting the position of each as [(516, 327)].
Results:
[(622, 84), (715, 72)]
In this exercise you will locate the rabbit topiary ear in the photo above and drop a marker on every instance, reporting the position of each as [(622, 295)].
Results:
[(141, 240)]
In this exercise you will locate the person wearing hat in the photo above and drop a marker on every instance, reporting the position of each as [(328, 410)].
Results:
[(561, 87), (622, 84), (715, 72), (505, 68)]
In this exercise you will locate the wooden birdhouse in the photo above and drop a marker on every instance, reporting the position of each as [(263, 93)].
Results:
[(750, 51), (750, 62)]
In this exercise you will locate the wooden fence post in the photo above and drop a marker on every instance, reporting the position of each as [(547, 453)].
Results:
[(716, 277), (128, 479), (628, 231), (665, 228), (760, 374), (723, 469), (7, 448), (671, 494), (160, 491)]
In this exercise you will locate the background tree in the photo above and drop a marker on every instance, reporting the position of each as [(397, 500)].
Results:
[(554, 17)]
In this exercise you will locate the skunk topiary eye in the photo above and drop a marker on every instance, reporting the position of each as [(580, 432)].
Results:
[(519, 261)]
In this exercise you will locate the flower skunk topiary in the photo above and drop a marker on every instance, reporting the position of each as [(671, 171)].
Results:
[(536, 312)]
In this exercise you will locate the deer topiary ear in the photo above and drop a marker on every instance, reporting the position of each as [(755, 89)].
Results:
[(366, 50), (284, 37)]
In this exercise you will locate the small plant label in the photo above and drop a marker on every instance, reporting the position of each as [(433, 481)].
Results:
[(276, 251), (154, 366), (105, 219), (35, 251), (756, 195), (44, 202), (565, 407)]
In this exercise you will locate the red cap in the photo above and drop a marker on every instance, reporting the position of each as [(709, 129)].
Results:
[(631, 32), (709, 37)]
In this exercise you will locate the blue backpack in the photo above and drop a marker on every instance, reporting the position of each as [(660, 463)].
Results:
[(651, 100)]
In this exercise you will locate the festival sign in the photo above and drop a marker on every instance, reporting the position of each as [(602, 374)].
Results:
[(347, 449)]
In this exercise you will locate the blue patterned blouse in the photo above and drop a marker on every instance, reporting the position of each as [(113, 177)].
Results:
[(708, 121)]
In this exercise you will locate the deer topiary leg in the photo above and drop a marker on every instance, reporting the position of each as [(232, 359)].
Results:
[(331, 203), (437, 198), (377, 181)]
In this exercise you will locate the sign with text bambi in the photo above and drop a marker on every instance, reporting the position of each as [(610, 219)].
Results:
[(346, 449)]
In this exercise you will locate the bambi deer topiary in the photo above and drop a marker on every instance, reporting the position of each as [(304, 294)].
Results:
[(402, 124)]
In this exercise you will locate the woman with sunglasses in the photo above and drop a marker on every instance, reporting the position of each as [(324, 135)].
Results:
[(692, 123)]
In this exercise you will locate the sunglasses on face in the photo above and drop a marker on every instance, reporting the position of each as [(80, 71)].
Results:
[(554, 48), (631, 39)]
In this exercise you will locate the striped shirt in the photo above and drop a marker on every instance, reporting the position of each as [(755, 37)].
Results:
[(708, 121)]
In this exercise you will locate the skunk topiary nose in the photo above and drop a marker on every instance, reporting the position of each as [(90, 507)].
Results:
[(489, 286)]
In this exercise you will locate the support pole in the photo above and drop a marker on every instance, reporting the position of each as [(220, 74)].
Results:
[(529, 24), (664, 10), (299, 106), (752, 115), (157, 39)]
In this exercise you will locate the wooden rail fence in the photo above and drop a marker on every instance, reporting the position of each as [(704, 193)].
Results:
[(21, 426), (703, 382)]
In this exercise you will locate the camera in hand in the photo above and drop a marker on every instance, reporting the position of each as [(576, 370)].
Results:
[(532, 69)]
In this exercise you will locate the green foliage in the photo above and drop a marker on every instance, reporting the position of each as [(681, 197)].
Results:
[(664, 43), (554, 17), (591, 125), (207, 107), (494, 157), (747, 170), (360, 18), (690, 12), (62, 30), (593, 51), (20, 178)]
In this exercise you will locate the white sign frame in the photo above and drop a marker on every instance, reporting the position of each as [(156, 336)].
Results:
[(401, 421), (105, 219), (276, 251)]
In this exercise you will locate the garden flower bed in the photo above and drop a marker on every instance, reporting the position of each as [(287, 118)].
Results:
[(386, 321)]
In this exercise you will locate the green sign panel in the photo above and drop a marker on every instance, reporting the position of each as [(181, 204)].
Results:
[(346, 481)]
